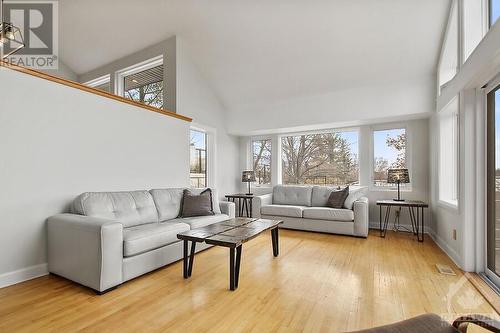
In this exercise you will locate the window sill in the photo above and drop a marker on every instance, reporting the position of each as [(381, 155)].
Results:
[(451, 205)]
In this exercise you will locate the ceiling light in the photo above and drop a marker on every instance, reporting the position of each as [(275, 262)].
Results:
[(9, 33), (135, 81)]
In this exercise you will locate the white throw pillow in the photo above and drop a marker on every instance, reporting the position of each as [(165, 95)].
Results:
[(355, 194)]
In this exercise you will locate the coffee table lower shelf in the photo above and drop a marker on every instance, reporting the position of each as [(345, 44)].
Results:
[(231, 234)]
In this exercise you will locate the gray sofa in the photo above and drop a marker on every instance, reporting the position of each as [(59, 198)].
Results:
[(304, 208), (111, 237)]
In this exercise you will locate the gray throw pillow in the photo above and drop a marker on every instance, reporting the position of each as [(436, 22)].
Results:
[(197, 205), (337, 198)]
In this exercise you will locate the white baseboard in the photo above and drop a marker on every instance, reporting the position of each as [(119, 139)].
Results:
[(24, 274), (446, 248)]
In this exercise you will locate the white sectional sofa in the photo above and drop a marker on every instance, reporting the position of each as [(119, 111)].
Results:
[(304, 208), (111, 237)]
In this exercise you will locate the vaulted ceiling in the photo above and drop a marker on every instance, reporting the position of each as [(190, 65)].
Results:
[(262, 50)]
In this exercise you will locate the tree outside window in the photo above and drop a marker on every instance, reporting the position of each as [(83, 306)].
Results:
[(198, 159), (145, 87), (323, 159), (389, 153), (261, 151)]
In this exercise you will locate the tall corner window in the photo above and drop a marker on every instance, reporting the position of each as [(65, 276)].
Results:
[(494, 11), (323, 159), (198, 159), (389, 152), (261, 159), (143, 83), (448, 152), (102, 83)]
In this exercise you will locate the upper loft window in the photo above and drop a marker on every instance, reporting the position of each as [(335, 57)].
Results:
[(322, 159), (389, 152), (449, 58), (143, 83), (261, 158), (494, 10), (102, 83), (198, 159)]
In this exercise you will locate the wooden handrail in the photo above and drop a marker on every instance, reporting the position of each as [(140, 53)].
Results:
[(95, 91)]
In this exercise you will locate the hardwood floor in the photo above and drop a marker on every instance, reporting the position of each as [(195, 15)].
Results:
[(319, 283)]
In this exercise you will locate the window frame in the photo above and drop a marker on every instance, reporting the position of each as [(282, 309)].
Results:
[(134, 69), (371, 179), (450, 204), (250, 159), (100, 81), (211, 135), (312, 132)]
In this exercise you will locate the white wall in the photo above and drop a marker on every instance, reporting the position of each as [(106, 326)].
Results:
[(418, 160), (57, 142), (63, 71), (196, 99)]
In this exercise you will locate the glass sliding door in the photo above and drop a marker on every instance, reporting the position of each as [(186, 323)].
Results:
[(493, 187)]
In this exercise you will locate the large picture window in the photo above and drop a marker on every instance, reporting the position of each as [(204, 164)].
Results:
[(198, 159), (389, 152), (261, 152), (323, 159)]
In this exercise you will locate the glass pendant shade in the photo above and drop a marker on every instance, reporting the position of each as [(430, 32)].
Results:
[(10, 35)]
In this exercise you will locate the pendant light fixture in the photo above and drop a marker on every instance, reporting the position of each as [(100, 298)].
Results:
[(9, 34)]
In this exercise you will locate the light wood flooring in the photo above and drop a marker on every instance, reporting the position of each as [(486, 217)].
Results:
[(319, 283)]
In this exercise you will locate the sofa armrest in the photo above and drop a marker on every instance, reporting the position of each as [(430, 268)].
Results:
[(85, 249), (228, 208), (361, 208), (259, 201)]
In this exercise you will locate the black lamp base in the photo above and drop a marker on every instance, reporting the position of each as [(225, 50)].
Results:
[(248, 193), (398, 199)]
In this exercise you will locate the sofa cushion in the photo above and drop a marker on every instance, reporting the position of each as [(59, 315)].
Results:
[(147, 237), (355, 193), (129, 208), (168, 202), (320, 195), (196, 204), (330, 214), (202, 221), (282, 210), (337, 198), (215, 198), (292, 195)]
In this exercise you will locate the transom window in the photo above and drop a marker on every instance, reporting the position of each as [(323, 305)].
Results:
[(389, 152), (145, 86), (323, 159), (261, 153)]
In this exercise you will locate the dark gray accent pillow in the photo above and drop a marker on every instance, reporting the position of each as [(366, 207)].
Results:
[(197, 205), (337, 198)]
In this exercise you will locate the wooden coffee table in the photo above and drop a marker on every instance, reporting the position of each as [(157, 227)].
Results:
[(232, 234)]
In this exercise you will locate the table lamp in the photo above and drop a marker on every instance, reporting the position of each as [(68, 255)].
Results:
[(398, 176), (248, 177)]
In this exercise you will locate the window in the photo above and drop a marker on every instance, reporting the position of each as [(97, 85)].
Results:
[(101, 83), (494, 11), (448, 153), (198, 159), (389, 152), (449, 60), (323, 159), (261, 159), (143, 83)]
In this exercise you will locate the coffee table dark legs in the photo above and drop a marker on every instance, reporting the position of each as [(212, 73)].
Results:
[(276, 243), (188, 259), (234, 266)]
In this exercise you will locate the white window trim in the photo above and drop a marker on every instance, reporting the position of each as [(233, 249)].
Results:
[(98, 81), (250, 158), (385, 127), (139, 67), (452, 205), (211, 151)]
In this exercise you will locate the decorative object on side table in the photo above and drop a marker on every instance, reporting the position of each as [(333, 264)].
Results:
[(415, 209), (248, 177), (398, 176), (245, 203)]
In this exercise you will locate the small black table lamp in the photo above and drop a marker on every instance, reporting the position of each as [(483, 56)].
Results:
[(248, 177), (398, 176)]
